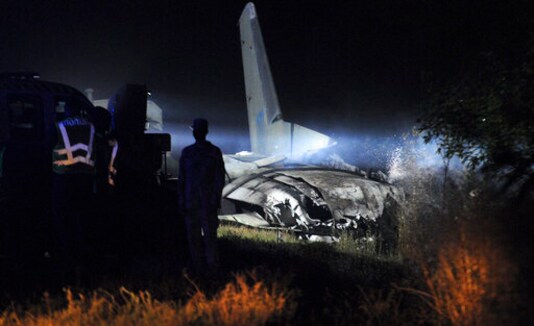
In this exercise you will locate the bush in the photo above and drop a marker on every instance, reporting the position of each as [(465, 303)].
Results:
[(452, 234)]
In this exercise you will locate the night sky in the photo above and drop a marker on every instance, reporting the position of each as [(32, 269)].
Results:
[(346, 68)]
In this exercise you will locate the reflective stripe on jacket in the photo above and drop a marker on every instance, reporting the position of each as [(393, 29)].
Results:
[(73, 151)]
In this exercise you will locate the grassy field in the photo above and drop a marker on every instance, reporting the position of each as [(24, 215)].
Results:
[(264, 277), (455, 265)]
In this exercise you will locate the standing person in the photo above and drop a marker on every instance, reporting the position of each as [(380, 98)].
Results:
[(200, 184), (103, 224), (104, 147), (73, 175)]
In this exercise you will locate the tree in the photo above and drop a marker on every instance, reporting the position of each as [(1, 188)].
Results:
[(486, 118)]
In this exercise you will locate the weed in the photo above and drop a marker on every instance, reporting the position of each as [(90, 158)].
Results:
[(470, 276), (240, 303), (380, 307)]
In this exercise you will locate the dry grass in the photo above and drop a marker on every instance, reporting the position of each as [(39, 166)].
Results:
[(456, 244), (452, 232), (245, 301), (471, 276), (380, 308), (240, 303)]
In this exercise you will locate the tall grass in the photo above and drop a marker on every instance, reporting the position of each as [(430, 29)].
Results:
[(245, 301), (451, 232), (241, 303)]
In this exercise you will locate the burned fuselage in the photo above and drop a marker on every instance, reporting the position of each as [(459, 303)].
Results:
[(309, 198), (267, 193)]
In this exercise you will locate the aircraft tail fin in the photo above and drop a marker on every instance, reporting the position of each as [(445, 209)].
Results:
[(269, 133)]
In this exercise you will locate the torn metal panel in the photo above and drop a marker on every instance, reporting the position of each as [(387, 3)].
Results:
[(308, 198), (281, 204), (269, 161), (250, 219), (301, 186), (239, 165), (347, 194)]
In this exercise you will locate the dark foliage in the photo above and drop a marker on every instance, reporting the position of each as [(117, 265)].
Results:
[(486, 118)]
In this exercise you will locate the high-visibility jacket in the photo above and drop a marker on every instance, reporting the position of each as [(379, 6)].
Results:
[(73, 152)]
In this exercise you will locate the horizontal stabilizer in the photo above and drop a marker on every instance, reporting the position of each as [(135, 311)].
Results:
[(305, 140)]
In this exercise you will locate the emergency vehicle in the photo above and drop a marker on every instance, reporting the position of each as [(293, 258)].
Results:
[(29, 109)]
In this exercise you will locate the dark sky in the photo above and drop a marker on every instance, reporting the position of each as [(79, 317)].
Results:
[(338, 66)]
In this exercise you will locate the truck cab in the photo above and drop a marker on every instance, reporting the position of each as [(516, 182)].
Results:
[(29, 108)]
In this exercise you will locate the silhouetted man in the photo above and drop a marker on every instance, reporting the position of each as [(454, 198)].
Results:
[(200, 184)]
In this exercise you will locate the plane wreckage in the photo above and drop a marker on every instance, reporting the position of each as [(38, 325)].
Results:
[(314, 201)]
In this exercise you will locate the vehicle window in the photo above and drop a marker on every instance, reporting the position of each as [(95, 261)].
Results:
[(25, 113), (60, 106), (69, 105)]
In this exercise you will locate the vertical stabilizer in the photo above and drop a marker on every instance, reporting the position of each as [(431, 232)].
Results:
[(262, 101), (269, 133)]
